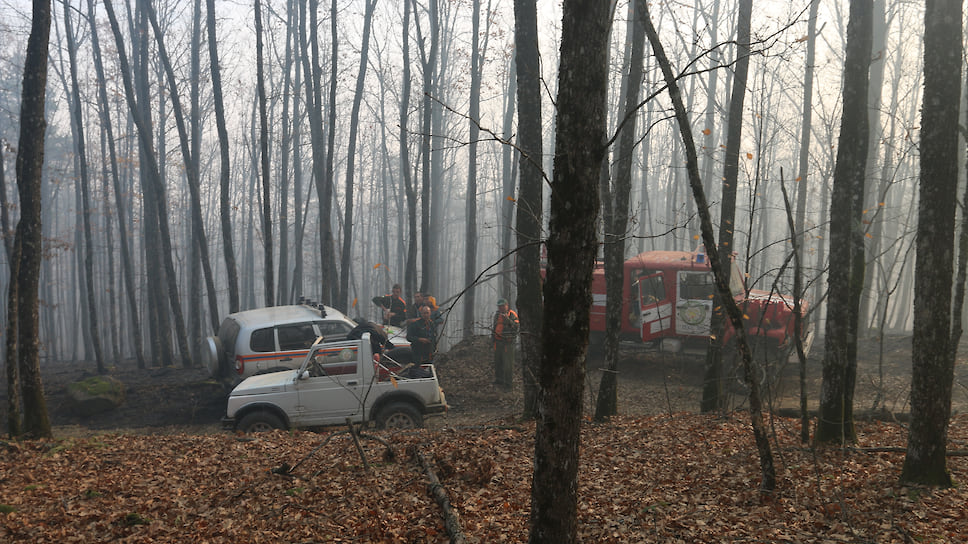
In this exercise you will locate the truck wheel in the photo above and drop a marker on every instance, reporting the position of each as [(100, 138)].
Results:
[(260, 422), (763, 359), (399, 415)]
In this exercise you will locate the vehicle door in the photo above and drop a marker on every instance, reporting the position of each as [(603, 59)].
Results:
[(279, 347), (654, 309), (334, 388), (694, 302)]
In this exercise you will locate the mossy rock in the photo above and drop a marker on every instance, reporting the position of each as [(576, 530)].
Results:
[(95, 395)]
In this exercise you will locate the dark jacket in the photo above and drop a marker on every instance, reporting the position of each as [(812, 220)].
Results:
[(423, 352), (395, 305)]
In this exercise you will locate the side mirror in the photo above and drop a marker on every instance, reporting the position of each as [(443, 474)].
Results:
[(304, 375)]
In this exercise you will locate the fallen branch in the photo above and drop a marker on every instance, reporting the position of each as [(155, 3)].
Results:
[(451, 519), (356, 442)]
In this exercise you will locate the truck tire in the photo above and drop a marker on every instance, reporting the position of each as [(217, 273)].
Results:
[(399, 415), (259, 422), (733, 362)]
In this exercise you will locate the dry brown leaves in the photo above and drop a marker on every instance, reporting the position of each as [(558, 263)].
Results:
[(686, 478)]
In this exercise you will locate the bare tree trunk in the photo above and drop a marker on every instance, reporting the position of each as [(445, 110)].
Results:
[(508, 174), (428, 62), (875, 136), (470, 227), (835, 424), (157, 194), (126, 262), (14, 416), (932, 368), (616, 222), (30, 162), (283, 293), (529, 202), (191, 171), (767, 467), (341, 300), (195, 333), (225, 208), (710, 132), (6, 233), (84, 182), (267, 273), (12, 360), (572, 247), (297, 170), (328, 239), (410, 275), (712, 398), (802, 171)]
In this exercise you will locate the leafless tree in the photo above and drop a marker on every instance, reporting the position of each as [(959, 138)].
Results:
[(346, 260), (616, 218), (84, 183), (835, 424), (572, 247), (25, 383), (933, 357), (225, 209), (529, 201)]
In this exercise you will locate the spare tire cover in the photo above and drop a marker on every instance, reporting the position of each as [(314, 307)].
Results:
[(212, 355)]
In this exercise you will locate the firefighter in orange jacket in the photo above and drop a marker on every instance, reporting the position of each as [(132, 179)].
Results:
[(504, 333)]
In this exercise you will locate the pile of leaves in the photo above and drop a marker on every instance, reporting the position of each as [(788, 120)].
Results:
[(684, 478)]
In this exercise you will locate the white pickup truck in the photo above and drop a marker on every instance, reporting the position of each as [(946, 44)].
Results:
[(336, 381)]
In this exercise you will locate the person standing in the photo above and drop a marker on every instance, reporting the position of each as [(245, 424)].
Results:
[(504, 333), (394, 307), (422, 335)]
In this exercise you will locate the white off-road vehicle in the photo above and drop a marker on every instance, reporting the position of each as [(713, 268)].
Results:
[(336, 382), (270, 339)]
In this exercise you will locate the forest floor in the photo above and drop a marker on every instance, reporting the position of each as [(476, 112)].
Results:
[(159, 469)]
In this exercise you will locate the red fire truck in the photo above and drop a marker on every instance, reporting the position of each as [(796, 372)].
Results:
[(667, 302)]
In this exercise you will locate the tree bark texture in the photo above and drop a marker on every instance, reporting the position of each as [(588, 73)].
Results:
[(428, 62), (324, 182), (835, 424), (410, 273), (267, 275), (932, 362), (225, 209), (617, 224), (572, 247), (712, 392), (529, 201), (801, 180), (29, 165), (84, 183), (470, 227), (347, 255)]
